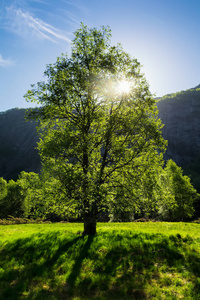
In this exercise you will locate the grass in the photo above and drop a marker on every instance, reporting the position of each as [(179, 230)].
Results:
[(123, 261)]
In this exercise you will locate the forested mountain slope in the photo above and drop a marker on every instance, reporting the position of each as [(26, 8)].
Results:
[(180, 113), (18, 140)]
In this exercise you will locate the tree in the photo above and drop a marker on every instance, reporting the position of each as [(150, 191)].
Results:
[(96, 117), (17, 198), (12, 202), (178, 194), (41, 195), (31, 191)]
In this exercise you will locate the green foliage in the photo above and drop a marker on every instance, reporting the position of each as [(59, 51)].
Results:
[(178, 194), (183, 95), (31, 196), (3, 188), (147, 191), (135, 196), (192, 170), (158, 193), (30, 185), (12, 201), (89, 129), (124, 261)]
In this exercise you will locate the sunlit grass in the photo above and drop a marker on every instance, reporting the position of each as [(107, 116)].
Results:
[(123, 261)]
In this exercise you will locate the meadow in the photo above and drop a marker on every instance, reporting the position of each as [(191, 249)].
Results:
[(151, 260)]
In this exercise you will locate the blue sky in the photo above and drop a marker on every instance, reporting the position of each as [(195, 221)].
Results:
[(164, 35)]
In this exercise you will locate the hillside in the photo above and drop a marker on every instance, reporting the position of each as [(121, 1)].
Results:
[(18, 140), (180, 113)]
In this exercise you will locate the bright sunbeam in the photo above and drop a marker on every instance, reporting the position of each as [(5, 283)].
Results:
[(124, 87)]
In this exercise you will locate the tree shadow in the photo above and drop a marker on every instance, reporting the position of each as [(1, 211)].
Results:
[(35, 257), (104, 266), (84, 253), (125, 270)]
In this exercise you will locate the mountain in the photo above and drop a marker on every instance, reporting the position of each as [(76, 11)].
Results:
[(180, 114), (18, 140)]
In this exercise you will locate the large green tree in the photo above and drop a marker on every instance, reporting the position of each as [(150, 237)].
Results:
[(97, 116)]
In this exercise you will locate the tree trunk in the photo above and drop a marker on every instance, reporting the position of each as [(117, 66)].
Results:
[(90, 227)]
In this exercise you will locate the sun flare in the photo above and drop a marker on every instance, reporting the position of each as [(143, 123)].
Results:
[(124, 87)]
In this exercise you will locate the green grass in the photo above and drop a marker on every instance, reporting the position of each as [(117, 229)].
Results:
[(123, 261)]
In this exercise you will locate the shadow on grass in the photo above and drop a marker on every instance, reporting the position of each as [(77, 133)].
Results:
[(26, 261), (105, 266), (83, 253)]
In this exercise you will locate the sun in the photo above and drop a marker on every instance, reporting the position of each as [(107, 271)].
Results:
[(124, 87)]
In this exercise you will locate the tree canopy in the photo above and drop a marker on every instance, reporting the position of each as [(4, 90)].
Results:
[(98, 122)]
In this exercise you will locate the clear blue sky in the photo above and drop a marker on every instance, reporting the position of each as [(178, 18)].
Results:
[(164, 35)]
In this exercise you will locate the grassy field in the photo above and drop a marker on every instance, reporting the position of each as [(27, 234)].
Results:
[(123, 261)]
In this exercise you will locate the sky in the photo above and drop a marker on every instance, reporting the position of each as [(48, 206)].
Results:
[(164, 35)]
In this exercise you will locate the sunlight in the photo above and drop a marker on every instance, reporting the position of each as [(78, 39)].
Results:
[(115, 88), (124, 87)]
